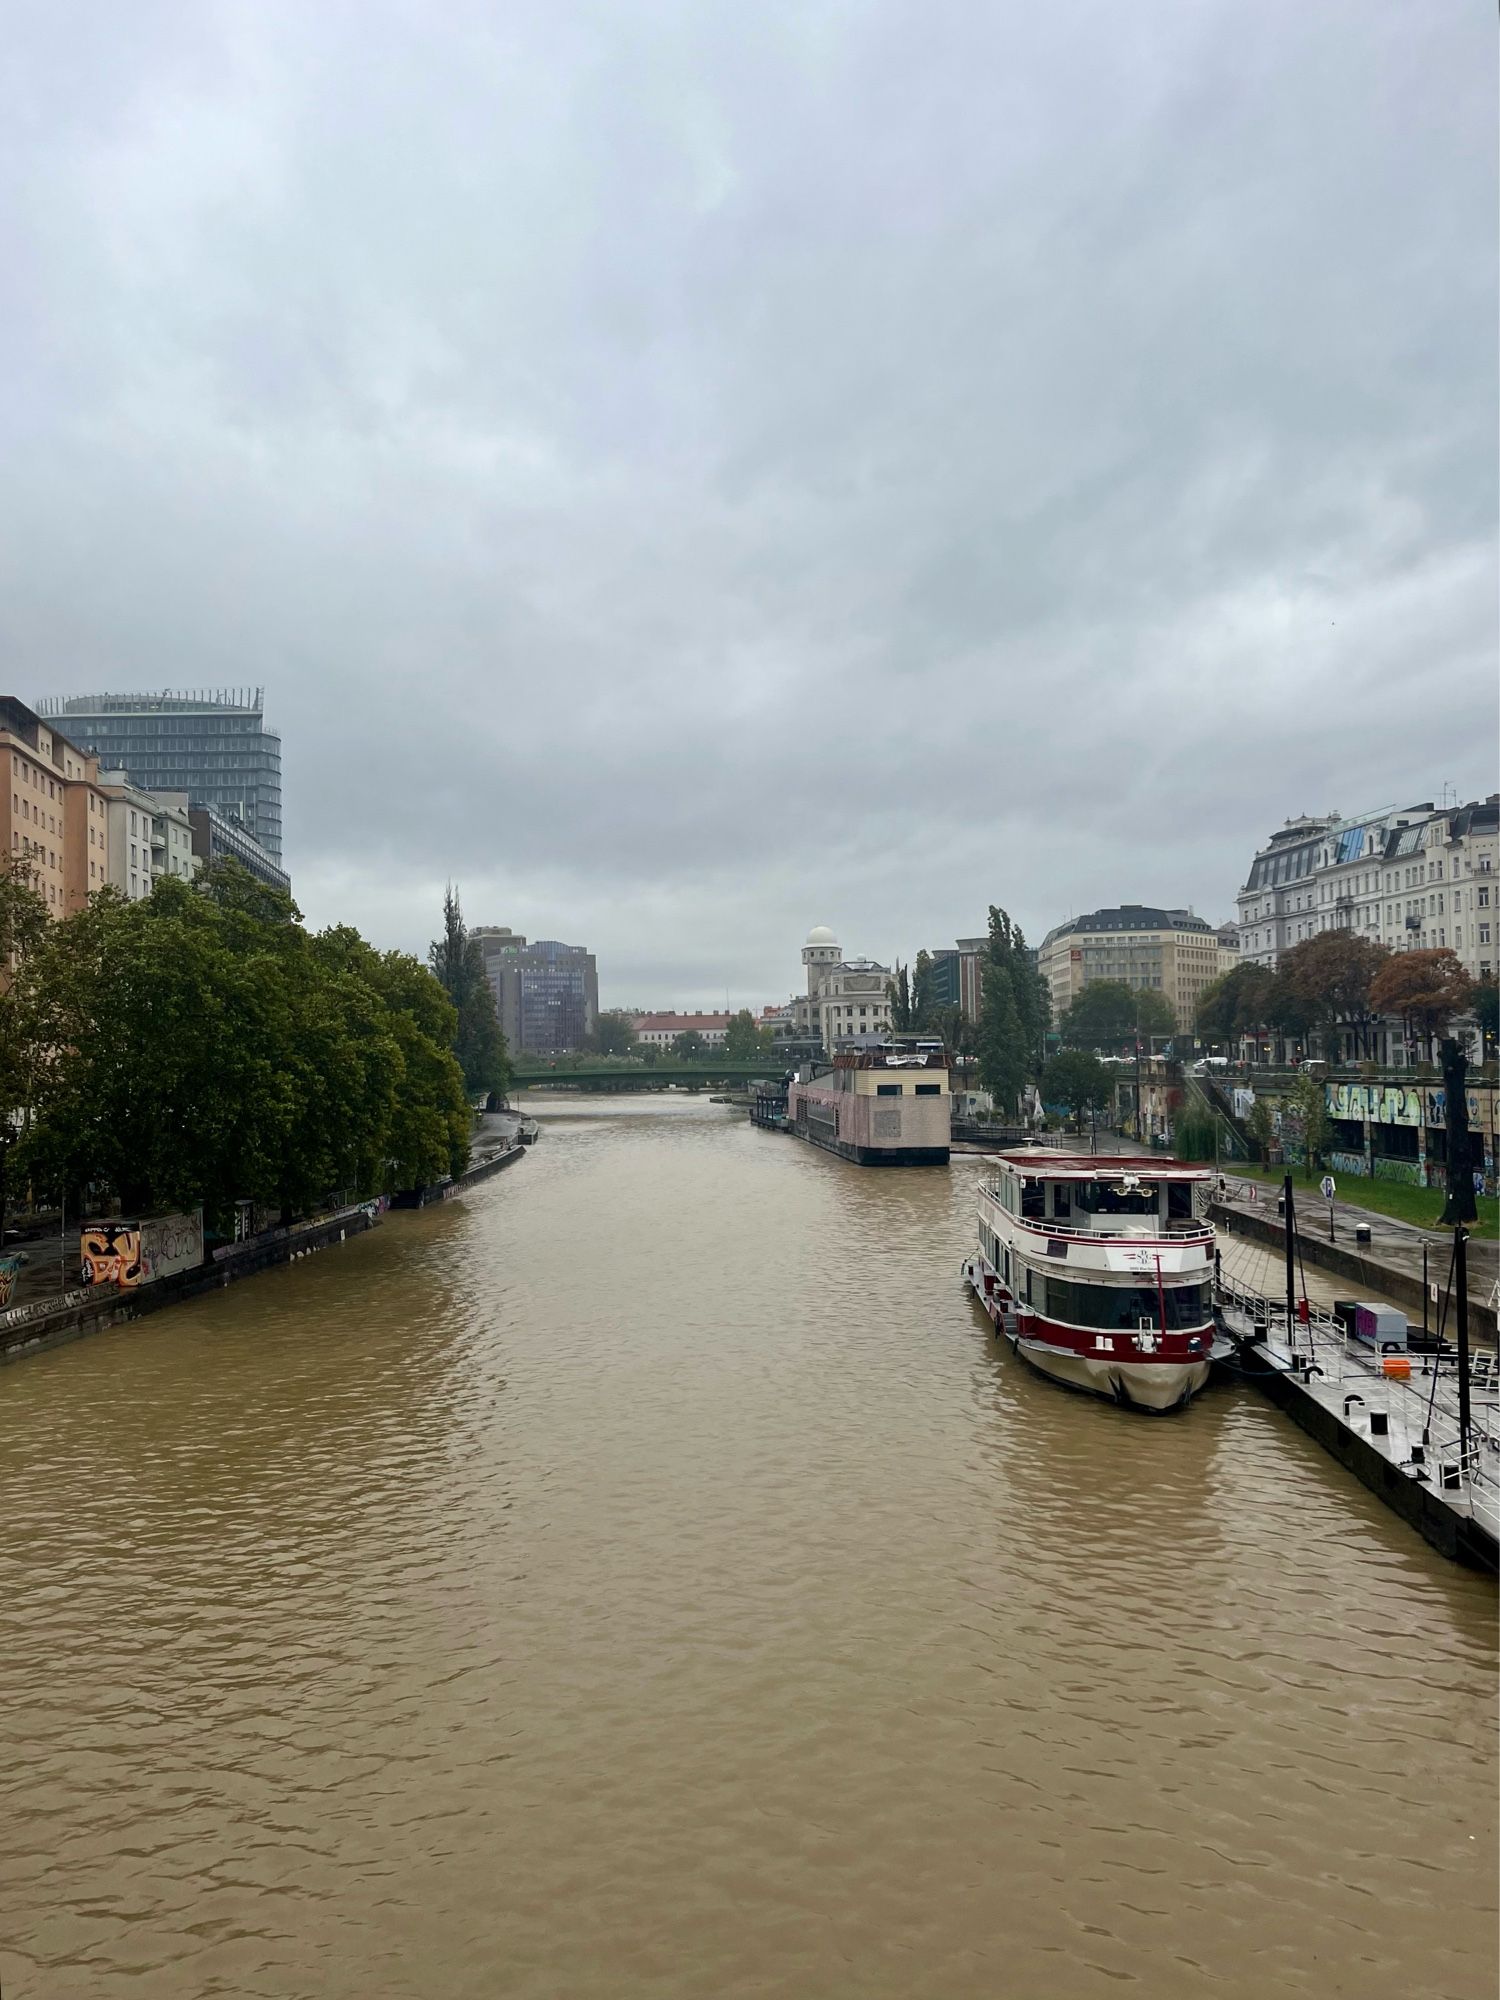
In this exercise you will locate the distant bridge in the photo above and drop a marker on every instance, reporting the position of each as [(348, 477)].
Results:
[(536, 1075)]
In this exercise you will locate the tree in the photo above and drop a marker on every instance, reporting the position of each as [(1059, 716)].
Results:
[(1426, 989), (201, 1048), (1076, 1079), (1487, 1014), (924, 1006), (689, 1046), (614, 1035), (1108, 1014), (1331, 975), (1310, 1102), (743, 1040), (1258, 1126), (898, 992), (457, 960), (1014, 1012)]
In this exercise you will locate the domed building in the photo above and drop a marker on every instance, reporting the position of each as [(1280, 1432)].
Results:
[(844, 998)]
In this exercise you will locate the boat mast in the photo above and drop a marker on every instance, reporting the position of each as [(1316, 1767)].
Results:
[(1289, 1205)]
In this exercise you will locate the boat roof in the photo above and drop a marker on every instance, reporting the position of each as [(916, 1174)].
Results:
[(1036, 1164)]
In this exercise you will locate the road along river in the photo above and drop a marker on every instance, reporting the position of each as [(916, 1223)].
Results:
[(647, 1577)]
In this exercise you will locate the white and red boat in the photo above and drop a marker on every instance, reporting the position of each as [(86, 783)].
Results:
[(1100, 1271)]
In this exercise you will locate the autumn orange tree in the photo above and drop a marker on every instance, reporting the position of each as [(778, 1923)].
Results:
[(1332, 975), (1426, 989)]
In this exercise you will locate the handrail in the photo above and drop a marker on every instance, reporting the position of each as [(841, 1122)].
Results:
[(1176, 1229)]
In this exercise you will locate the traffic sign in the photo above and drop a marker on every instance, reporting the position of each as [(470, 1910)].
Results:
[(1329, 1190)]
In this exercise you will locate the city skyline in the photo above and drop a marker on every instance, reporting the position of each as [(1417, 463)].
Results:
[(701, 485)]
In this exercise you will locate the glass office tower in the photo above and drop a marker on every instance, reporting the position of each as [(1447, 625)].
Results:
[(213, 745)]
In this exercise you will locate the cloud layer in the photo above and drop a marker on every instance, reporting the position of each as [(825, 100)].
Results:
[(692, 472)]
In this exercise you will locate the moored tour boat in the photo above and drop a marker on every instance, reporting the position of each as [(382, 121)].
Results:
[(1099, 1271)]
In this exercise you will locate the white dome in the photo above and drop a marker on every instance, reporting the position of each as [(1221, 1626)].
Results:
[(821, 934)]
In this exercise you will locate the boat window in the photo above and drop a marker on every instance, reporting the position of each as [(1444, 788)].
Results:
[(1061, 1199), (929, 1090), (1122, 1197), (887, 1090), (1121, 1308), (1180, 1201), (1033, 1200)]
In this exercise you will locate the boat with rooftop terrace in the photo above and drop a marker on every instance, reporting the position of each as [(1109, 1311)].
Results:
[(1099, 1271)]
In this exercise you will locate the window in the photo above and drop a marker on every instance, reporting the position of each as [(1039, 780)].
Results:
[(887, 1090), (929, 1090), (1484, 933)]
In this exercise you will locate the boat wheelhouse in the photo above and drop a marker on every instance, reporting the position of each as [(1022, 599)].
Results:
[(1099, 1271), (883, 1101)]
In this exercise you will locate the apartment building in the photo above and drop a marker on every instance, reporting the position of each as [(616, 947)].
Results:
[(149, 836), (55, 810), (1171, 952), (1416, 877)]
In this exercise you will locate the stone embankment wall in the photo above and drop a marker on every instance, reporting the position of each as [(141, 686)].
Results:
[(49, 1323)]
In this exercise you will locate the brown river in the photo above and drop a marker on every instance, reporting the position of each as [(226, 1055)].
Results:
[(647, 1577)]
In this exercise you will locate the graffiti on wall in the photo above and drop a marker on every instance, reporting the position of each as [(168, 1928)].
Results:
[(9, 1267), (110, 1254), (1398, 1104), (1408, 1171), (1349, 1163), (128, 1254)]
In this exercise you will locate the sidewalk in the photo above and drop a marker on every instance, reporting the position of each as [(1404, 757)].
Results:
[(1391, 1241)]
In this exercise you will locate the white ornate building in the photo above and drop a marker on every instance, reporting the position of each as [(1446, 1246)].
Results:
[(844, 997), (1413, 877)]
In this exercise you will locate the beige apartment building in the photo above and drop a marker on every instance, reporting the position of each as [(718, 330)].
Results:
[(55, 809), (1170, 952), (150, 835)]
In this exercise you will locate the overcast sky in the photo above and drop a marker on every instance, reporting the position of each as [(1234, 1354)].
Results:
[(694, 471)]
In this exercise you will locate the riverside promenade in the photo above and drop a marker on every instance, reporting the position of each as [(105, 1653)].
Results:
[(1388, 1266)]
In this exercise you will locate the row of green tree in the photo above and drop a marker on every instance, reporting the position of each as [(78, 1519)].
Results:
[(1342, 985), (201, 1046)]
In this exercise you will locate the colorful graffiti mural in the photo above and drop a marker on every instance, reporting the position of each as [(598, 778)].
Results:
[(1402, 1104), (109, 1253), (126, 1254), (9, 1270), (1407, 1171)]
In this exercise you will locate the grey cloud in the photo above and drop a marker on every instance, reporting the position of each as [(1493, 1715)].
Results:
[(690, 473)]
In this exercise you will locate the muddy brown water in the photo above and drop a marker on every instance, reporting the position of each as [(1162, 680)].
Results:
[(647, 1577)]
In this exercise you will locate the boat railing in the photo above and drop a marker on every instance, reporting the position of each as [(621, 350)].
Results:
[(1194, 1229)]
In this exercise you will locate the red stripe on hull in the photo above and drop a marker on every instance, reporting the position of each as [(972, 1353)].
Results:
[(1149, 1345)]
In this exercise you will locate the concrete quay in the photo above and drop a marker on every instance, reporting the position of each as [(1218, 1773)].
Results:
[(1389, 1267)]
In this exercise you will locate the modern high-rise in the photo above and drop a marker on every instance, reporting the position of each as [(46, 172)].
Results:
[(546, 993), (213, 745)]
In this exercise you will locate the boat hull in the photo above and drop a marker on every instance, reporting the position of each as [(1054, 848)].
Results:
[(1154, 1387)]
